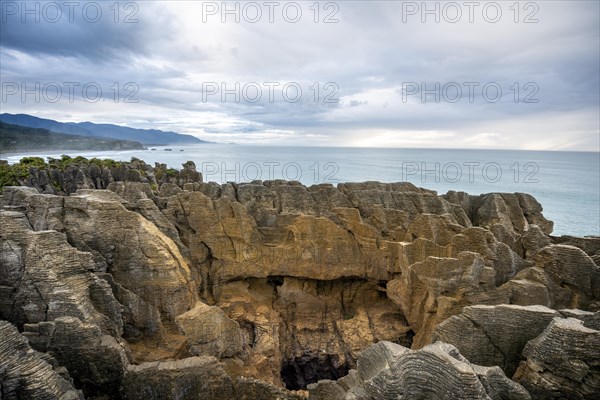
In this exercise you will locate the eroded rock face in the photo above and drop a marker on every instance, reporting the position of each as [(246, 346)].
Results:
[(131, 288), (494, 335), (574, 275), (436, 371), (190, 378), (97, 362), (24, 374), (147, 270), (562, 362), (194, 378), (45, 278), (556, 352), (211, 332)]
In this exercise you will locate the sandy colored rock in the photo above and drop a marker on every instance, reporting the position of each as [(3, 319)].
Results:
[(211, 332)]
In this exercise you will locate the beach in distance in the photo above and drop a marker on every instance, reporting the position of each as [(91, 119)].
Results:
[(567, 184)]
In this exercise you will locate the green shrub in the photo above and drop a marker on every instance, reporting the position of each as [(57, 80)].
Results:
[(172, 172), (33, 162), (12, 175)]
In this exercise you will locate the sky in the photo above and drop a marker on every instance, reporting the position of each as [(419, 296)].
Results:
[(502, 75)]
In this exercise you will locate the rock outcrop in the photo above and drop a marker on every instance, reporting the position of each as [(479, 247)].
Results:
[(68, 175), (437, 371), (494, 335), (26, 374), (149, 283), (556, 354), (95, 360), (562, 362)]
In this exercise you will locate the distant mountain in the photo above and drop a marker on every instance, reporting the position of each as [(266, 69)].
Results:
[(144, 136), (23, 138)]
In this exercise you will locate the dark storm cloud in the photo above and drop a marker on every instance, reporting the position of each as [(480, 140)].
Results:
[(101, 31)]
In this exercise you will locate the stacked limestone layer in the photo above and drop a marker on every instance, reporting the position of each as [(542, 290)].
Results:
[(251, 288)]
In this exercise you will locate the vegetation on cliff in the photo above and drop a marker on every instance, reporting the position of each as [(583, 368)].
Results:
[(22, 138), (67, 174), (102, 131)]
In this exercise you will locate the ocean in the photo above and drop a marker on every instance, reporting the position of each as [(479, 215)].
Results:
[(567, 184)]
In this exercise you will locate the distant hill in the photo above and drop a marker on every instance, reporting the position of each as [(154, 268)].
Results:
[(23, 138), (144, 136)]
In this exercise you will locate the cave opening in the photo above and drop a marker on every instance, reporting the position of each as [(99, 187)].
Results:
[(250, 329), (299, 372), (406, 340), (275, 281)]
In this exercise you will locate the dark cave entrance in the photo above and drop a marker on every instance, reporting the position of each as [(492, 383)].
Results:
[(407, 339), (298, 372)]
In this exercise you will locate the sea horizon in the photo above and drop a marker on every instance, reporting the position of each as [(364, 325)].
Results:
[(566, 183)]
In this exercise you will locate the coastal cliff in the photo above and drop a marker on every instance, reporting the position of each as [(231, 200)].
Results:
[(130, 281)]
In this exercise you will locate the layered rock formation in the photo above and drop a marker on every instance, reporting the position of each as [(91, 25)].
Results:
[(67, 175), (189, 289), (437, 371), (25, 373)]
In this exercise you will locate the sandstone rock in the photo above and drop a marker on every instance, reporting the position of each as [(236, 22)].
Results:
[(190, 378), (132, 192), (282, 282), (590, 319), (431, 291), (514, 211), (326, 389), (335, 320), (532, 210), (46, 279), (503, 209), (589, 244), (169, 189), (497, 255), (402, 196), (134, 254), (572, 276), (534, 240), (250, 389), (140, 319), (528, 292), (194, 378), (378, 357), (211, 332), (440, 229), (66, 176), (460, 198)]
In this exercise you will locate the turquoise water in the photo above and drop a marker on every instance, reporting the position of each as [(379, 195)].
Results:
[(566, 183)]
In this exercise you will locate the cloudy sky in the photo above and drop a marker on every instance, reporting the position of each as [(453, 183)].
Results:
[(345, 73)]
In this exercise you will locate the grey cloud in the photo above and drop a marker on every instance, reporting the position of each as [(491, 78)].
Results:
[(369, 54), (96, 30)]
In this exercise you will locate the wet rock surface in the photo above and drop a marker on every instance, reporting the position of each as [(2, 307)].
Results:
[(136, 287)]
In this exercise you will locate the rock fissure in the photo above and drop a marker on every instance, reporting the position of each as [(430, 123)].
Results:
[(291, 287)]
